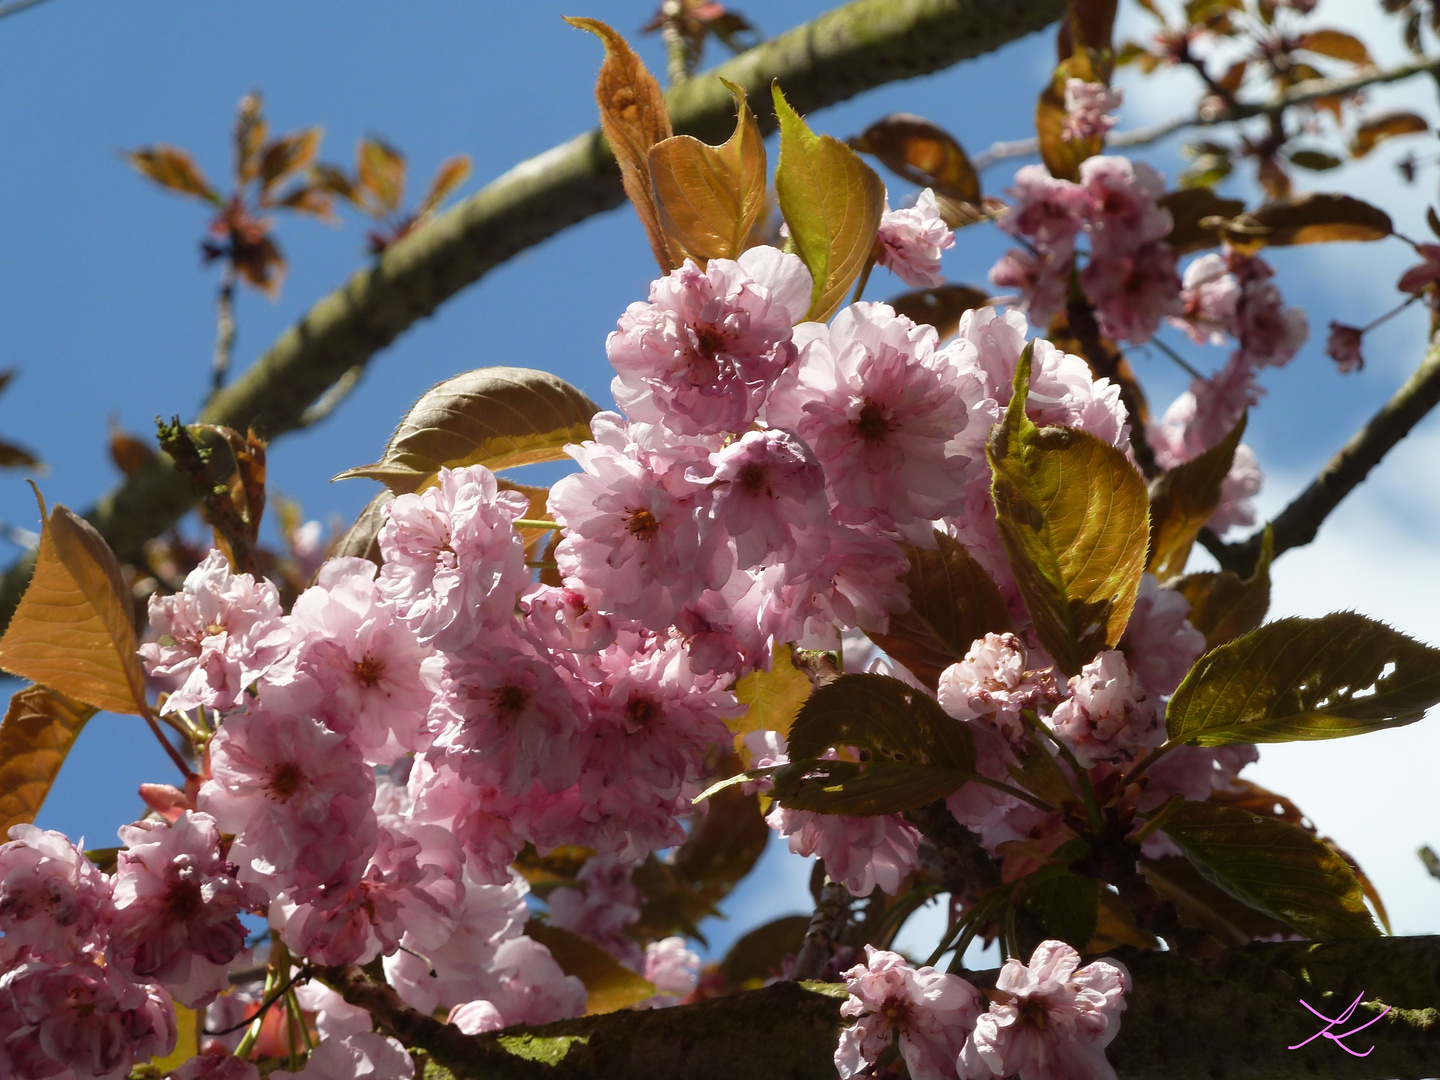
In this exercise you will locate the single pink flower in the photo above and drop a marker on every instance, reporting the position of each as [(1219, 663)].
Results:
[(1133, 291), (672, 968), (766, 484), (1126, 216), (993, 682), (911, 239), (1242, 483), (606, 902), (862, 853), (1108, 715), (1419, 278), (1159, 642), (54, 902), (1047, 211), (1088, 107), (366, 1055), (1043, 283)]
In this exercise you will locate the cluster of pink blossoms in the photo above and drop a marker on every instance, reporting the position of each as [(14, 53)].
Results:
[(1048, 1020)]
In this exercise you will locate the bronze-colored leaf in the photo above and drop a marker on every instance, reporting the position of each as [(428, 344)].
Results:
[(1222, 606), (453, 172), (1314, 160), (17, 457), (634, 117), (1190, 206), (940, 307), (498, 417), (1183, 499), (772, 699), (953, 602), (832, 202), (1116, 926), (1379, 128), (1090, 24), (174, 169), (128, 452), (1063, 156), (1316, 217), (288, 154), (923, 153), (335, 180), (711, 198), (611, 985), (39, 728), (1336, 44), (74, 628), (382, 173)]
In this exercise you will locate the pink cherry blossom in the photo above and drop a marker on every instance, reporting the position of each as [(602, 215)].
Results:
[(218, 1065), (1419, 278), (532, 989), (1043, 283), (1242, 484), (1269, 333), (699, 355), (454, 564), (930, 1012), (1210, 296), (993, 681), (563, 620), (366, 1055), (334, 1016), (1087, 109), (606, 902), (296, 795), (672, 968), (484, 821), (1202, 416), (177, 909), (1108, 716), (766, 485), (476, 1017), (1125, 217), (1343, 346), (1053, 1022), (862, 853), (1160, 645), (219, 634), (910, 240), (1047, 211), (1133, 291), (882, 412), (54, 902)]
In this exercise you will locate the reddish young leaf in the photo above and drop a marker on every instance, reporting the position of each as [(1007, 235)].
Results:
[(1379, 128), (286, 155), (173, 169), (381, 170), (452, 173)]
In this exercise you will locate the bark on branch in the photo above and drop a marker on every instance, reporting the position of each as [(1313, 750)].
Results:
[(1234, 1019), (857, 47)]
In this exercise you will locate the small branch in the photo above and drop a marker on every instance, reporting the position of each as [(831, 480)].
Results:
[(826, 926), (1297, 524), (197, 466), (677, 49), (224, 331)]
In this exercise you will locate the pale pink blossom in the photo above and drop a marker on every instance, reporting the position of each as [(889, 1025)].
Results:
[(993, 681), (1047, 211), (1343, 346), (604, 904), (454, 564), (563, 620), (335, 1017), (1242, 483), (766, 485), (930, 1012), (216, 1065), (532, 989), (1202, 416), (483, 820), (1108, 715), (54, 902), (1160, 645), (219, 634), (672, 968), (177, 909), (910, 240), (476, 1017), (1125, 216), (297, 797), (366, 1055), (700, 354), (1210, 296), (862, 853), (1053, 1022), (1043, 283), (883, 414), (1133, 291), (1088, 108)]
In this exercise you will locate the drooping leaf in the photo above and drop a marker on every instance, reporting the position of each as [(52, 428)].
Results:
[(940, 307), (1316, 217), (74, 628), (832, 202), (1336, 44), (1200, 903), (172, 168), (1068, 906), (1275, 867), (634, 117), (288, 154), (772, 699), (884, 716), (453, 172), (953, 602), (39, 728), (498, 417), (1090, 24), (610, 984), (711, 198), (1073, 514), (1302, 679), (382, 174), (1063, 156), (1377, 129), (1183, 499), (1222, 606), (923, 153), (760, 954), (1190, 206)]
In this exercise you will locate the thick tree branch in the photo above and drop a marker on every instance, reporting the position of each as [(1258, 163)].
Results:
[(1233, 1019), (857, 47), (1297, 524), (1300, 94)]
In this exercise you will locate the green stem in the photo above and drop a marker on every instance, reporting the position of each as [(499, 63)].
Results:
[(864, 279), (1024, 796), (534, 523), (1180, 360)]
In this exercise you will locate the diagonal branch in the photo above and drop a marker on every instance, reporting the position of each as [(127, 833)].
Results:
[(857, 47), (1297, 524)]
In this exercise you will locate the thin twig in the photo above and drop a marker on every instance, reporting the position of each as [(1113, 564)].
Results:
[(224, 331), (826, 926)]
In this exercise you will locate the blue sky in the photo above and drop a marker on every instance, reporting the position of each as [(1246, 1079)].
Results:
[(106, 311)]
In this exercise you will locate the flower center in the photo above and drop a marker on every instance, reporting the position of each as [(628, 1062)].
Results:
[(510, 701), (872, 424), (642, 524), (751, 478), (369, 670), (285, 780), (641, 710)]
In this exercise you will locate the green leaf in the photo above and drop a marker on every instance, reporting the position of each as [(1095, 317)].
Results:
[(711, 199), (772, 699), (498, 417), (1222, 606), (884, 716), (1303, 679), (1201, 903), (953, 602), (832, 202), (760, 954), (1183, 499), (39, 728), (1074, 517), (863, 789), (611, 985), (1068, 906), (1275, 867)]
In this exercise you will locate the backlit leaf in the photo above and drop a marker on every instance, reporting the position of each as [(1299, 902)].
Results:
[(1316, 217), (953, 602), (1275, 867), (1073, 514), (760, 954), (609, 983), (1302, 679), (1115, 926), (885, 717), (634, 117), (74, 628), (187, 1041), (832, 202), (1379, 128), (382, 173), (1190, 206), (923, 153), (1337, 44), (539, 510), (1200, 903), (1068, 906), (711, 198), (498, 417), (857, 789), (287, 155), (1090, 24), (39, 728), (173, 169), (940, 307), (1183, 499), (772, 699), (452, 173), (1222, 606)]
